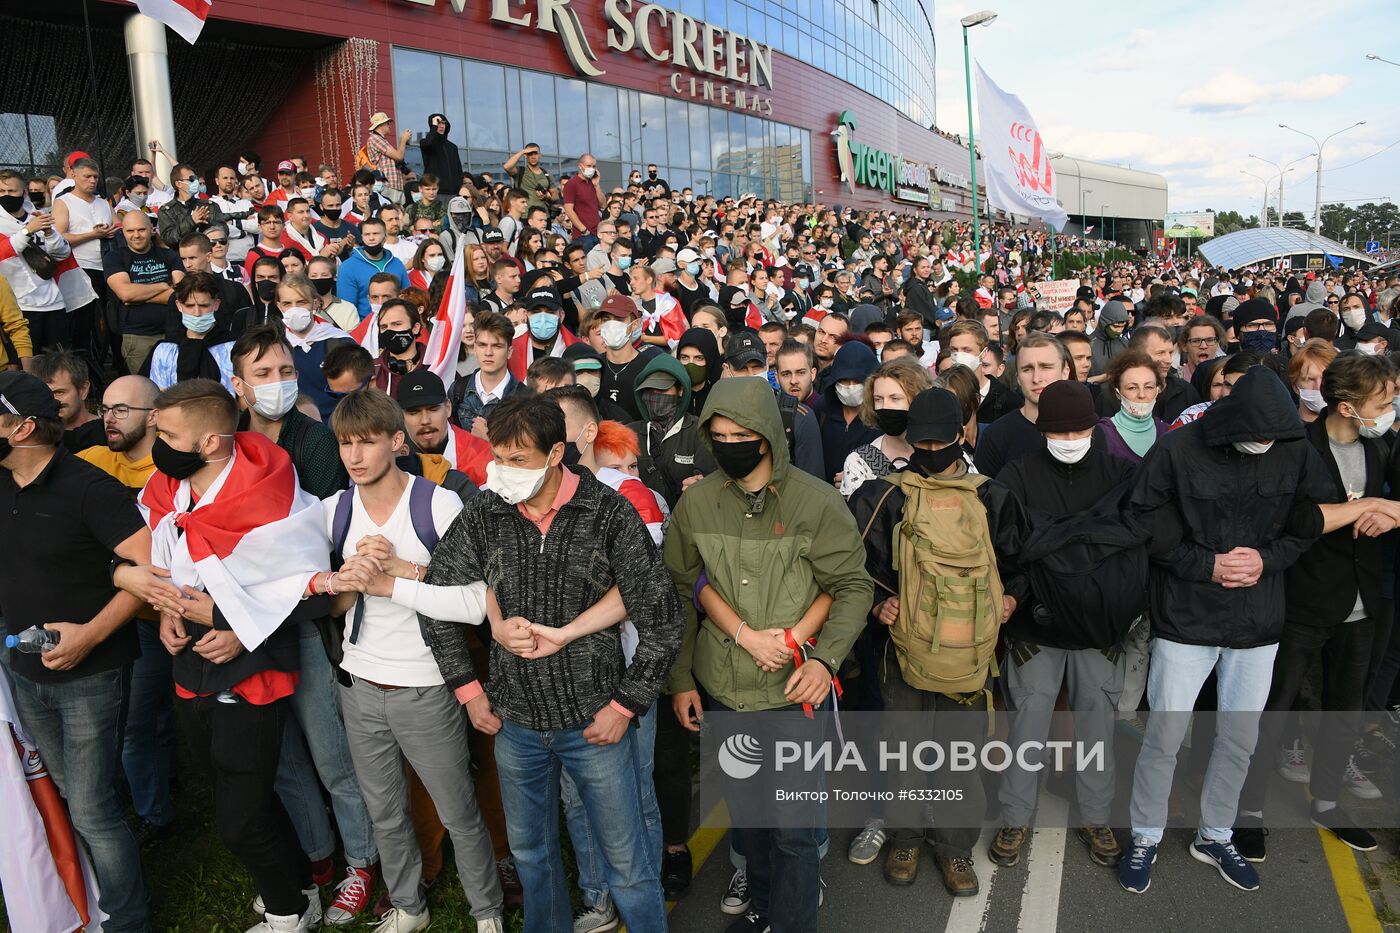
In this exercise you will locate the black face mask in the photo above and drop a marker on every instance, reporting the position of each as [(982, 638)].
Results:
[(266, 289), (662, 408), (1260, 341), (396, 341), (323, 286), (738, 458), (651, 174), (933, 462), (572, 454), (374, 252), (892, 421), (11, 202), (38, 198), (176, 464)]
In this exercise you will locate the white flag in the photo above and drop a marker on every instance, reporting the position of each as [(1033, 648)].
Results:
[(446, 336), (1020, 178)]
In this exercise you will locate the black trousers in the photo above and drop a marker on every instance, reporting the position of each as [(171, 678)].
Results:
[(1346, 656), (671, 774), (240, 743), (49, 329)]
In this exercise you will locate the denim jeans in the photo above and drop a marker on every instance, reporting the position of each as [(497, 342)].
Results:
[(148, 741), (530, 763), (1174, 680), (316, 725), (76, 727), (591, 868)]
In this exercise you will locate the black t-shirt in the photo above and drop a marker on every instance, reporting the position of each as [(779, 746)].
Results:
[(148, 268), (1008, 438), (91, 434), (690, 297), (62, 529), (618, 384)]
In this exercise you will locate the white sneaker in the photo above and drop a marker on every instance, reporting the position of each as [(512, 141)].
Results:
[(1293, 763), (398, 920), (590, 919), (311, 918), (1358, 784), (313, 898), (491, 925)]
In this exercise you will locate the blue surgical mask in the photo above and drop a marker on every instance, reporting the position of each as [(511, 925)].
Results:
[(692, 268), (379, 187), (196, 187), (544, 325), (417, 197), (199, 323), (624, 262)]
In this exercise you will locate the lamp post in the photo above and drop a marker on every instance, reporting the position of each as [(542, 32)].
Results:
[(1103, 236), (973, 19), (1264, 207), (1282, 170), (1082, 218), (1372, 56), (1317, 203)]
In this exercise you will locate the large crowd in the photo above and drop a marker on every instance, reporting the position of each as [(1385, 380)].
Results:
[(694, 454)]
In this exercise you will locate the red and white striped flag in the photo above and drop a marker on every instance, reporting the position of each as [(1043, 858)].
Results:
[(446, 336), (184, 16), (252, 542), (366, 333)]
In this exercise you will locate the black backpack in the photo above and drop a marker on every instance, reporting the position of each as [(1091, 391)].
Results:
[(1088, 571), (788, 409)]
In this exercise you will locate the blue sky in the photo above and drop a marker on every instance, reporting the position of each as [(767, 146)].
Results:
[(1192, 89)]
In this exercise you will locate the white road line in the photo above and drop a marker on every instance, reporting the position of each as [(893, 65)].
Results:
[(969, 914), (1040, 901)]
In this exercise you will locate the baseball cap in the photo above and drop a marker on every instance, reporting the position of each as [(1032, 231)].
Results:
[(582, 356), (74, 156), (286, 167), (26, 395), (492, 235), (659, 379), (378, 119), (420, 388), (618, 306), (663, 265), (687, 255), (543, 297), (1374, 330), (935, 414), (745, 348), (459, 205)]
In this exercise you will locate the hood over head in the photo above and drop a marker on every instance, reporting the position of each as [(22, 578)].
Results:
[(704, 341), (1258, 408), (1317, 292), (863, 315), (749, 400), (664, 363)]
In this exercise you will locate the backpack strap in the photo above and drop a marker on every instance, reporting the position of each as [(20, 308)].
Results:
[(340, 531), (787, 410), (420, 512)]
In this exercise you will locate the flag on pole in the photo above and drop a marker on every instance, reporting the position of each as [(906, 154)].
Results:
[(1019, 175), (441, 353), (366, 334), (184, 16)]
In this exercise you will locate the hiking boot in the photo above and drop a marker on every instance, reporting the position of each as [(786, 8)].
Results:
[(1293, 763), (1339, 823), (1103, 845), (1005, 847), (351, 896), (959, 877), (1249, 838), (1135, 871), (1228, 861), (736, 899), (598, 919), (676, 872), (1358, 784), (902, 864), (865, 847)]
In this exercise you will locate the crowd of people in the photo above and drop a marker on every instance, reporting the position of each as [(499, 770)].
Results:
[(694, 454)]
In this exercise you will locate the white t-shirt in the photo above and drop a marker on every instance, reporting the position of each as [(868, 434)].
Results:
[(405, 249), (83, 216), (390, 648)]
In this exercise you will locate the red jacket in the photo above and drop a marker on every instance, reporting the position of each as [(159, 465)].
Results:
[(521, 351)]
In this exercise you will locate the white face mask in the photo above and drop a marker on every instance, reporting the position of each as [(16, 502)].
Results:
[(297, 319), (1354, 317), (973, 363), (1069, 451), (614, 334), (1253, 447), (243, 167), (275, 399), (1312, 399), (1381, 426), (374, 306), (1137, 409), (434, 264), (589, 172), (514, 484), (850, 395), (520, 330), (1368, 349)]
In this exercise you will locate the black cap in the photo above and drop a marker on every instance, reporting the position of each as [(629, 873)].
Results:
[(582, 356), (934, 415), (543, 296), (1374, 330), (492, 235), (420, 388), (26, 395), (744, 348)]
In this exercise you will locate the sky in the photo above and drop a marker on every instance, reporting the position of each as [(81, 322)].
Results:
[(1192, 89)]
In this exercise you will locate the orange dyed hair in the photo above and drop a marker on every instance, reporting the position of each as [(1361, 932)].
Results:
[(617, 439)]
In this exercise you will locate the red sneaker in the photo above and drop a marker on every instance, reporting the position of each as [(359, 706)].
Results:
[(352, 896), (322, 871)]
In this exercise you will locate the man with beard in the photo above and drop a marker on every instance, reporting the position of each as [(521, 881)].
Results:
[(441, 446)]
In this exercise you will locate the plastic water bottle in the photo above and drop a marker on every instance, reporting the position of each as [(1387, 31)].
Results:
[(34, 640)]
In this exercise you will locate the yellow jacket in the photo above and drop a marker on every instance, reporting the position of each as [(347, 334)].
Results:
[(14, 326)]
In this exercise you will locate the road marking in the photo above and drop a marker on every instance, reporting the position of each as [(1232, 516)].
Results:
[(1351, 890), (1045, 864), (969, 914)]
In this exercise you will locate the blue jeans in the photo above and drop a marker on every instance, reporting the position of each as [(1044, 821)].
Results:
[(315, 725), (1174, 681), (76, 727), (530, 764), (591, 868), (148, 743)]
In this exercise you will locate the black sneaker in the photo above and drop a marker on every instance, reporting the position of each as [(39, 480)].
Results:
[(749, 923), (1339, 823), (1249, 838), (148, 833), (676, 871)]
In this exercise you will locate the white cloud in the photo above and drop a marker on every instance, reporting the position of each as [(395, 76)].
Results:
[(1229, 92)]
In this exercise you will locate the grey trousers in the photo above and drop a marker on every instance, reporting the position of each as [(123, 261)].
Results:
[(426, 726), (1031, 676)]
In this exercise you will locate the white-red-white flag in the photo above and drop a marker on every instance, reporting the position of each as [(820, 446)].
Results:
[(184, 16), (441, 353), (366, 333)]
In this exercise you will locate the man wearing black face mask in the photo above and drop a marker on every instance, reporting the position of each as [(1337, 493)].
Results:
[(1256, 326), (399, 351), (671, 456)]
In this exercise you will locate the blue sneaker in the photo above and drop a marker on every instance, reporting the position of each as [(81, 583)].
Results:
[(1135, 871), (1228, 861)]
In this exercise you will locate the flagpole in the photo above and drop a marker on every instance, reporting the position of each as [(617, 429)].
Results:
[(92, 90)]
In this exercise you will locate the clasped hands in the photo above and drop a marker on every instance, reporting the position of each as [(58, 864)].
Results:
[(372, 568)]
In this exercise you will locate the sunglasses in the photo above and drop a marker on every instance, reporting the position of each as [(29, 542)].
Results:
[(215, 241)]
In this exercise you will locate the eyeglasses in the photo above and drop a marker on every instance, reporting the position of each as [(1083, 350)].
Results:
[(120, 411), (1202, 341), (1334, 301)]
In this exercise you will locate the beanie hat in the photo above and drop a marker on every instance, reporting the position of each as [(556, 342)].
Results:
[(1065, 406), (1255, 309)]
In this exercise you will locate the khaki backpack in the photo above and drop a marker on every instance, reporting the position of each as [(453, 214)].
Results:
[(950, 594)]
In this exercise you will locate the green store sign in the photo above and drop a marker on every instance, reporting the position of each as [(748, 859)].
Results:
[(870, 167)]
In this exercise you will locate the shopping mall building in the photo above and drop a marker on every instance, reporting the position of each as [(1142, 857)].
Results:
[(725, 96)]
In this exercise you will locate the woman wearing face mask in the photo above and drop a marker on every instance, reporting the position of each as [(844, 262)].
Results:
[(311, 336), (427, 263), (888, 392), (1133, 378), (838, 408), (1305, 375), (201, 350), (321, 273)]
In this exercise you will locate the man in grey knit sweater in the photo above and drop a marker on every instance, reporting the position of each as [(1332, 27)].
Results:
[(551, 542)]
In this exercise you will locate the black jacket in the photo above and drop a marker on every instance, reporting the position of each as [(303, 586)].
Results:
[(442, 158), (877, 515), (1323, 585), (668, 458), (1176, 396), (918, 299), (1226, 499), (1000, 400)]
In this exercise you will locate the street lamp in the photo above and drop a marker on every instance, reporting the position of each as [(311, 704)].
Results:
[(1282, 170), (1317, 204), (1082, 217), (1372, 56), (1264, 207), (973, 19), (1103, 235)]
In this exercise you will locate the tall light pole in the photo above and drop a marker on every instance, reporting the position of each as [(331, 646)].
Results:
[(1282, 170), (1264, 206), (1372, 56), (1103, 236), (1317, 203), (1082, 218), (973, 19)]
